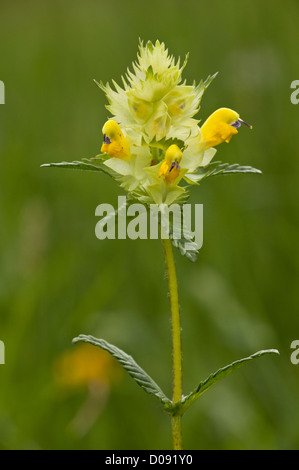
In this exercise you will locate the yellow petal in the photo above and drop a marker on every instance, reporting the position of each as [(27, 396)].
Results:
[(170, 168), (115, 144), (218, 127)]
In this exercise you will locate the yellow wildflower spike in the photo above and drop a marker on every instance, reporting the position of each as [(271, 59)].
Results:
[(115, 143), (220, 127), (170, 168)]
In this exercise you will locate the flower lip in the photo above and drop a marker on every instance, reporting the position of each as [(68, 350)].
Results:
[(106, 139)]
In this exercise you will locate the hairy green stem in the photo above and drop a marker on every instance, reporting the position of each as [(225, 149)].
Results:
[(176, 340), (176, 425)]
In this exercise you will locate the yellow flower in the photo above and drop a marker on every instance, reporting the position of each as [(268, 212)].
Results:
[(153, 137), (220, 127), (86, 365), (170, 168), (115, 144)]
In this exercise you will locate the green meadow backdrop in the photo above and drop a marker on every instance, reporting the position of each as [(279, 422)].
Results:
[(58, 280)]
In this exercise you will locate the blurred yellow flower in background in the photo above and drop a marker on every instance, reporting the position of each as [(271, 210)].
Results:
[(85, 365), (93, 370)]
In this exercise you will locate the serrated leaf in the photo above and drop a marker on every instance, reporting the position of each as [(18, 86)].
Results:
[(185, 243), (186, 247), (218, 168), (129, 364), (216, 377), (94, 164), (180, 236), (176, 230)]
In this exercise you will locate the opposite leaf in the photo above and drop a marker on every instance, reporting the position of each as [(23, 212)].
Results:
[(91, 164), (215, 377), (128, 363), (218, 168)]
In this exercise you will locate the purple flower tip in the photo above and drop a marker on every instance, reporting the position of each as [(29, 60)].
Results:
[(106, 139)]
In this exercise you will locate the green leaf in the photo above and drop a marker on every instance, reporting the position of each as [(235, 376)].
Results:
[(185, 242), (218, 168), (187, 247), (128, 363), (176, 230), (206, 384), (91, 164)]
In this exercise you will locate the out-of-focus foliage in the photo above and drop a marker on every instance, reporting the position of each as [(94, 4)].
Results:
[(58, 280)]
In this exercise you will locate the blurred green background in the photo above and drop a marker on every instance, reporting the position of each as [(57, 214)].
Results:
[(57, 280)]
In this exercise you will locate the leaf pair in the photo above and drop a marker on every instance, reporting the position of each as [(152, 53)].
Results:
[(185, 242), (150, 386)]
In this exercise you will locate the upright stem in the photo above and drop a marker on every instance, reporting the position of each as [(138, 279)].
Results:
[(176, 340)]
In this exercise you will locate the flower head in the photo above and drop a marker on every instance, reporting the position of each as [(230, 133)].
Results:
[(153, 139)]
